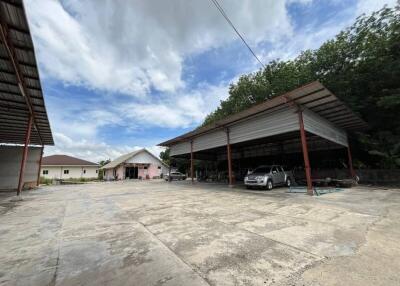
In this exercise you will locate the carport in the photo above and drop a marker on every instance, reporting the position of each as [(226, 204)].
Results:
[(309, 118), (24, 125)]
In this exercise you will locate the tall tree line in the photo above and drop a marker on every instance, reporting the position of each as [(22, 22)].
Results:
[(361, 65)]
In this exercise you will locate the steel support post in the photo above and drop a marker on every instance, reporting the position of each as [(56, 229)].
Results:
[(40, 164), (169, 170), (191, 162), (351, 169), (24, 156), (305, 155), (229, 156)]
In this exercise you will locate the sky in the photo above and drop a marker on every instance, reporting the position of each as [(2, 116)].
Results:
[(118, 75)]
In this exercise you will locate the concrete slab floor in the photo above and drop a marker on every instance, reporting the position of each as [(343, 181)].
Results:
[(158, 233)]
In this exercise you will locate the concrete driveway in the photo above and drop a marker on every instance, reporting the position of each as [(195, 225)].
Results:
[(156, 233)]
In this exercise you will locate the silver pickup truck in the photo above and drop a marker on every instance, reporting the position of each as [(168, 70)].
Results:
[(267, 177)]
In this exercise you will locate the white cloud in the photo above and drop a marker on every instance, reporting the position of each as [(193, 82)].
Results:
[(78, 126), (368, 6), (134, 46), (178, 110), (92, 150), (313, 35), (139, 48)]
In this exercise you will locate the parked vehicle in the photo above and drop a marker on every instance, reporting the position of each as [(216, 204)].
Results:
[(175, 176), (267, 177)]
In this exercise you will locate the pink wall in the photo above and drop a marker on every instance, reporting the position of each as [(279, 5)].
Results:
[(152, 171), (120, 172)]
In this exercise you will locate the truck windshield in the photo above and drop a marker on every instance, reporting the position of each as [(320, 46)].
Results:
[(263, 169)]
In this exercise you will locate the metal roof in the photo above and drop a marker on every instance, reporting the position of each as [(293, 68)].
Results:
[(20, 90), (65, 160), (123, 158), (313, 96)]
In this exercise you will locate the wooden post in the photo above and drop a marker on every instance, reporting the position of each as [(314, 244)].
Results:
[(305, 154), (24, 156), (229, 155), (351, 169), (191, 162), (40, 166)]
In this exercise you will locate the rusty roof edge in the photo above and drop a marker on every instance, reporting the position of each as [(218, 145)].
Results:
[(223, 123)]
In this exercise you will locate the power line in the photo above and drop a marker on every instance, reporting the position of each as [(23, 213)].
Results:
[(221, 10)]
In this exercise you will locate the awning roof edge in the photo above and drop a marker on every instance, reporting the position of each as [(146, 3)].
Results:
[(314, 96)]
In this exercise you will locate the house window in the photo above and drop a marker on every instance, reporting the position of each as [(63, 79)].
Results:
[(66, 172), (97, 171), (145, 167), (84, 171), (159, 167), (45, 172)]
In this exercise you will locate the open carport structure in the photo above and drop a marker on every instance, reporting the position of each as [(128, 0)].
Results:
[(309, 118), (24, 125)]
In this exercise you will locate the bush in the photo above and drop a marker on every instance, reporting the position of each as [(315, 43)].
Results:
[(45, 181)]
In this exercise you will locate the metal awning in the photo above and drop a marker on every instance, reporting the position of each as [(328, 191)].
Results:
[(313, 96), (20, 91)]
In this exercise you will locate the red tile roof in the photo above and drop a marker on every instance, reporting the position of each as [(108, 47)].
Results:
[(64, 160)]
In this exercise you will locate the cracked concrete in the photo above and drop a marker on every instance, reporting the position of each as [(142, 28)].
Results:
[(156, 233)]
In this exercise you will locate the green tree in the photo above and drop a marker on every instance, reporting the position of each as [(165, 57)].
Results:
[(164, 156), (361, 65), (101, 171)]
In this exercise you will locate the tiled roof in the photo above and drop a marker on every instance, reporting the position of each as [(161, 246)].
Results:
[(64, 160)]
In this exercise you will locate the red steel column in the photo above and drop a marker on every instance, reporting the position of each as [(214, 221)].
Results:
[(351, 169), (24, 156), (305, 154), (40, 164), (191, 162), (229, 155)]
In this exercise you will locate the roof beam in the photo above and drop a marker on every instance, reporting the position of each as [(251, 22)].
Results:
[(316, 108), (19, 29), (2, 70), (13, 3), (20, 62), (10, 92), (10, 50), (16, 84), (341, 115)]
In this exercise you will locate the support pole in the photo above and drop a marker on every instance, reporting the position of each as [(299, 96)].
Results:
[(40, 166), (229, 155), (191, 162), (24, 156), (351, 169), (305, 154), (169, 170)]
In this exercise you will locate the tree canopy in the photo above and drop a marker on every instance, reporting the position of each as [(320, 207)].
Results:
[(361, 65)]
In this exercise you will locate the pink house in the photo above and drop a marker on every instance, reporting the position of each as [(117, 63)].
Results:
[(140, 164)]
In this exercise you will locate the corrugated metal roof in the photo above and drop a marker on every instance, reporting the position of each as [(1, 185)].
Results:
[(126, 157), (121, 159), (313, 96), (65, 160), (20, 89)]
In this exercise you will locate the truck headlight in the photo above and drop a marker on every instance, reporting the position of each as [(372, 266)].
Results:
[(260, 179)]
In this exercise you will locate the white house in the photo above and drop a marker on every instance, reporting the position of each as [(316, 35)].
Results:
[(140, 164), (66, 167)]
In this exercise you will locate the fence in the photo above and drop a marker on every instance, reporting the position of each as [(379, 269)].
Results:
[(367, 176)]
